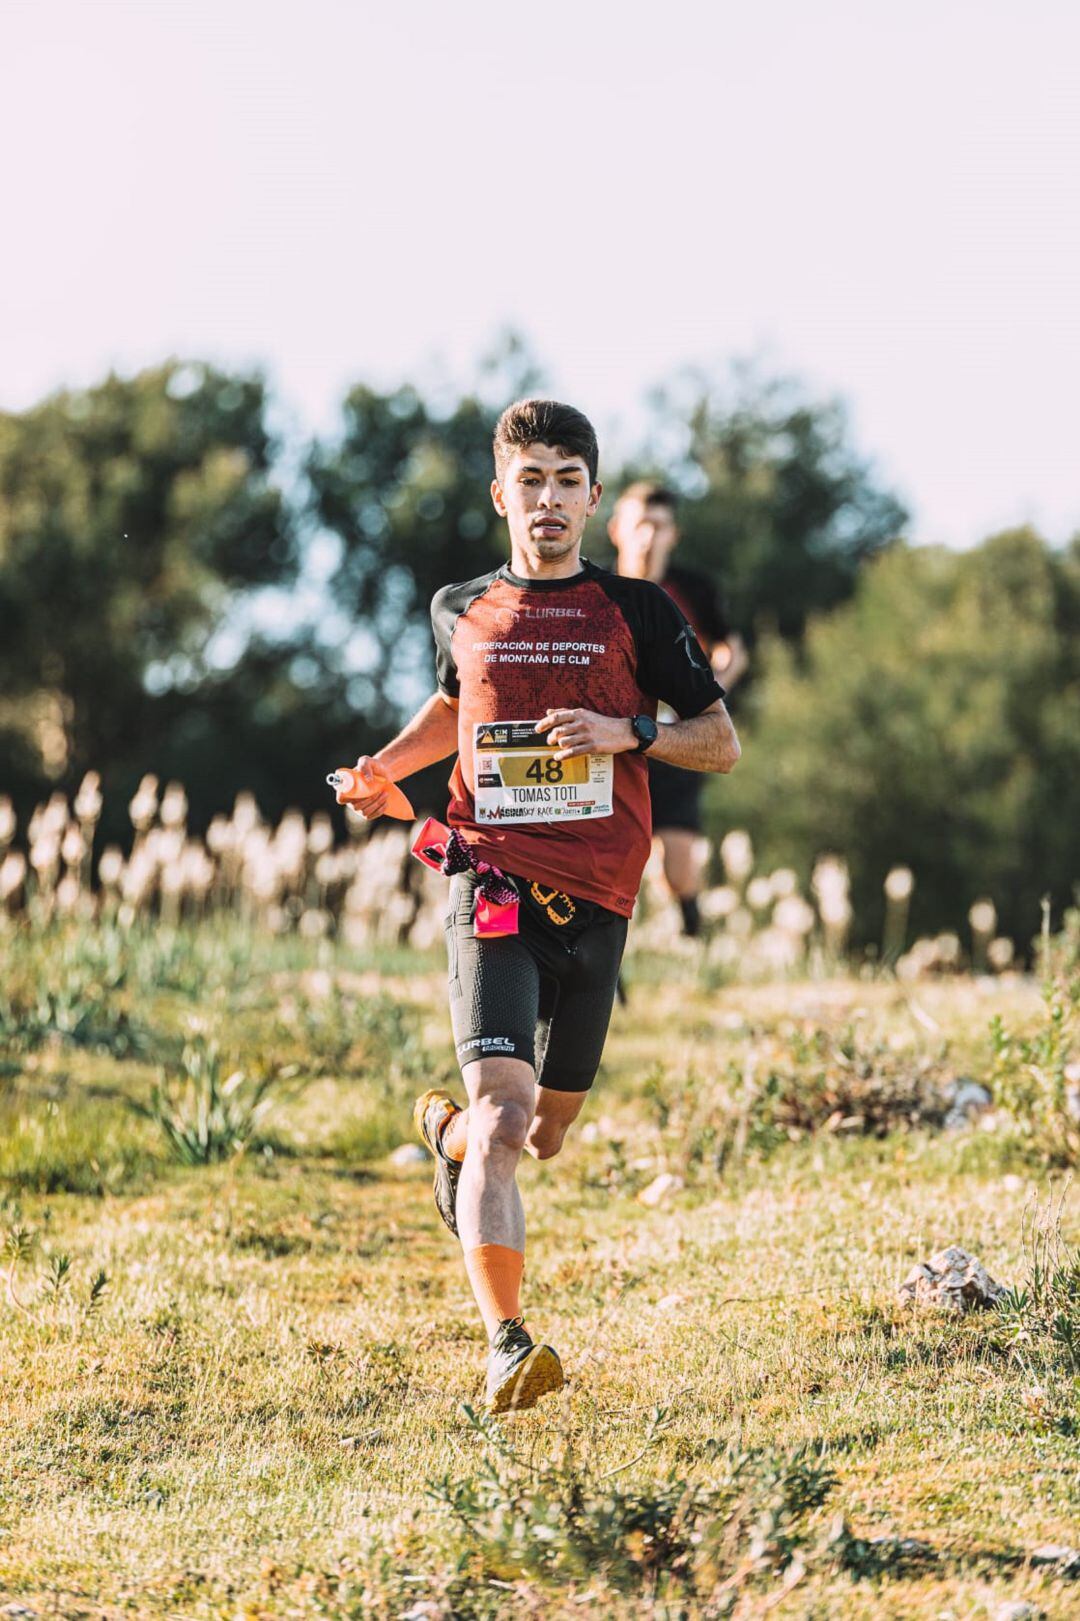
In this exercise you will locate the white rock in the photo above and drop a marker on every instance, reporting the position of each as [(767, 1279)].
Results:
[(408, 1154), (952, 1280), (670, 1302), (1015, 1610), (1051, 1554), (659, 1188), (969, 1100), (901, 1547)]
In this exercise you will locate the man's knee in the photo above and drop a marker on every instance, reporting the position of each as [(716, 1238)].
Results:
[(545, 1142), (497, 1123)]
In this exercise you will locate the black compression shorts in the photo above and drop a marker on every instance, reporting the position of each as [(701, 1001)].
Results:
[(543, 994), (675, 796)]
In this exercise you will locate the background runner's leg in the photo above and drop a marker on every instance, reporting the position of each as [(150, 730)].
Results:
[(490, 1215), (682, 865), (683, 868)]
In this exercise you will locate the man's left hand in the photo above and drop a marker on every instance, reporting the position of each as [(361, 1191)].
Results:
[(582, 731)]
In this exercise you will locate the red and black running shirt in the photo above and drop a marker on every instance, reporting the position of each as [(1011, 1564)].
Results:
[(510, 649)]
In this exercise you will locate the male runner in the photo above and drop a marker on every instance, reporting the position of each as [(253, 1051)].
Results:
[(578, 659), (644, 533)]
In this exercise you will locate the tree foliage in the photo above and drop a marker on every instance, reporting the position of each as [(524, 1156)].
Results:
[(778, 503), (131, 514), (140, 519), (406, 493), (404, 487), (934, 722)]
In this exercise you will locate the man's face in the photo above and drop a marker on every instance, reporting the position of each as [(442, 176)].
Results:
[(644, 535), (545, 496)]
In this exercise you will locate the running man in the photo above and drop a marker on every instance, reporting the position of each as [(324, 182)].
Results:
[(549, 674), (644, 532)]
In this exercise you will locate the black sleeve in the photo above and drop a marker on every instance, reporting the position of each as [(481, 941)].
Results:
[(447, 607), (444, 616), (671, 665)]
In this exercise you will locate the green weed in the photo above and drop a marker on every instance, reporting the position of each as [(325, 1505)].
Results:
[(1043, 1310), (204, 1115), (1036, 1078)]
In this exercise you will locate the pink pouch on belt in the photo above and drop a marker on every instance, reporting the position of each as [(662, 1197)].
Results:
[(496, 906), (493, 918)]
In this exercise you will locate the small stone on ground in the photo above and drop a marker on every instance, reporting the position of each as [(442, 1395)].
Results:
[(408, 1154), (952, 1280)]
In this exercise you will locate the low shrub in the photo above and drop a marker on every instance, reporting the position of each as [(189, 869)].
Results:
[(563, 1520)]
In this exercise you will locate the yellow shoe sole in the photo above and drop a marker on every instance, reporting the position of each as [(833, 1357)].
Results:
[(538, 1375), (420, 1108)]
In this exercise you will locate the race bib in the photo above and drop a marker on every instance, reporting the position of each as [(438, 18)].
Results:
[(518, 778)]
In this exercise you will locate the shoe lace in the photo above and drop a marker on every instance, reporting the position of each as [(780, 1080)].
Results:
[(511, 1331)]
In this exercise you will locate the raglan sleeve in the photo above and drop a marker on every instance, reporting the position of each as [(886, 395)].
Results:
[(443, 620), (671, 664)]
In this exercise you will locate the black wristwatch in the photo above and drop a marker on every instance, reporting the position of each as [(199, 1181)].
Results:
[(644, 730)]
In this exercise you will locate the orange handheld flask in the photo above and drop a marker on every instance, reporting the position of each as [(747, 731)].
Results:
[(350, 785)]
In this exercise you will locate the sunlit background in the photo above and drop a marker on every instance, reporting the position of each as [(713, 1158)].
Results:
[(817, 266)]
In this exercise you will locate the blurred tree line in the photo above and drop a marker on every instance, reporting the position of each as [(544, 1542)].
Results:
[(181, 593), (931, 722)]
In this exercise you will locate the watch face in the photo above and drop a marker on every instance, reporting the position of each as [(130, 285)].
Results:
[(644, 730)]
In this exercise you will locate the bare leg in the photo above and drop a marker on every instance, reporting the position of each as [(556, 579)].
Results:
[(501, 1101), (555, 1112)]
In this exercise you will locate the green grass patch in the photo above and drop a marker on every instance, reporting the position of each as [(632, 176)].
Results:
[(250, 1386)]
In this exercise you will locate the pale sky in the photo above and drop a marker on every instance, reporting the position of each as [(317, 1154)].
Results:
[(883, 200)]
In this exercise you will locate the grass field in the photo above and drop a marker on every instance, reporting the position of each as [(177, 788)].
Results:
[(250, 1387)]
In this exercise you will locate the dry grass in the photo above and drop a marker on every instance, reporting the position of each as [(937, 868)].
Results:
[(248, 1420)]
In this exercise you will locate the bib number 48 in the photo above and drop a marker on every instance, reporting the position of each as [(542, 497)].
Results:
[(549, 770)]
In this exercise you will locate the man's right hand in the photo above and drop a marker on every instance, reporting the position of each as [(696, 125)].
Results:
[(374, 772)]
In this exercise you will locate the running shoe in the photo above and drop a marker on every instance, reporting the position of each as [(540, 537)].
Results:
[(431, 1114), (519, 1372)]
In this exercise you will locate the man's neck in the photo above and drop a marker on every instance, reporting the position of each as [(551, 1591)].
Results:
[(532, 568)]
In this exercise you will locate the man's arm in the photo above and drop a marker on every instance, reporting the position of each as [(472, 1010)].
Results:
[(705, 742), (430, 736)]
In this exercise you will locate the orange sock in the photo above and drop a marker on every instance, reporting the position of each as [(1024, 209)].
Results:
[(495, 1274), (455, 1134)]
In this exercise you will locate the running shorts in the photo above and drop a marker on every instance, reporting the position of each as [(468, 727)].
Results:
[(676, 796), (543, 994)]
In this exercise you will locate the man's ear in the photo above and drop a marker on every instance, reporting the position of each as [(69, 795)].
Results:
[(497, 498), (594, 499)]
